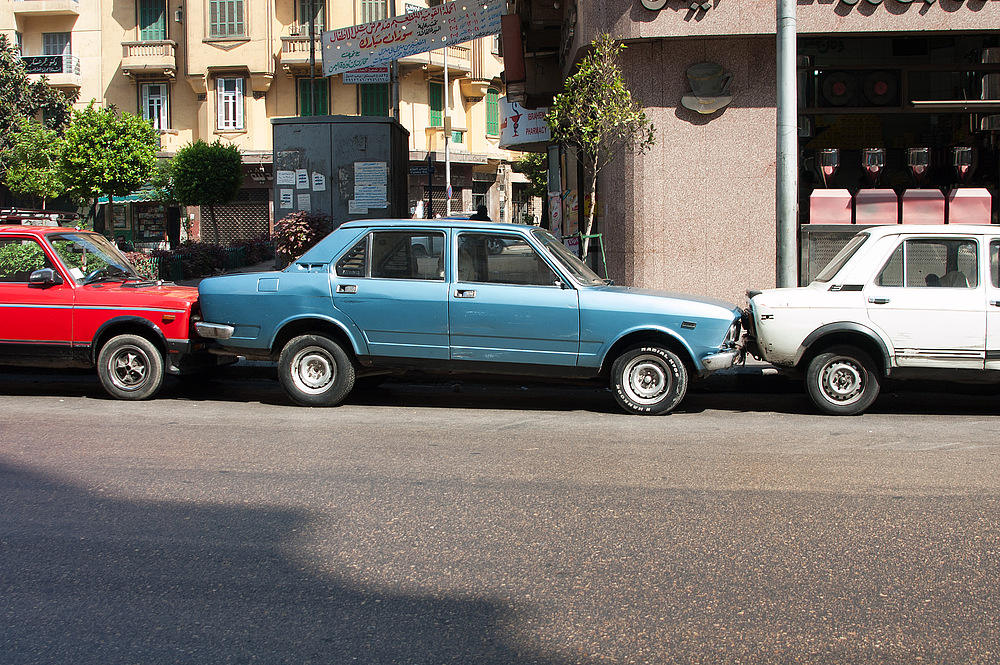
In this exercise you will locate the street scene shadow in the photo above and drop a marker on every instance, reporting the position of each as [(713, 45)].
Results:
[(90, 579)]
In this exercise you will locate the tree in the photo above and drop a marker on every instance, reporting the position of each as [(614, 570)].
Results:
[(597, 115), (21, 99), (32, 160), (535, 166), (107, 153), (205, 174)]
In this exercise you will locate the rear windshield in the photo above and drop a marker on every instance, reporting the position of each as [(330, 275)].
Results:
[(842, 257)]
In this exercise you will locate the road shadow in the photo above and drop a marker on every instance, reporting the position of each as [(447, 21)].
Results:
[(89, 579)]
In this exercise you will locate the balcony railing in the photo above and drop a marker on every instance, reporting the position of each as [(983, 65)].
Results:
[(150, 57), (295, 51)]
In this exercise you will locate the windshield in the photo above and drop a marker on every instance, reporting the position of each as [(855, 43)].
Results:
[(90, 258), (834, 266), (567, 259)]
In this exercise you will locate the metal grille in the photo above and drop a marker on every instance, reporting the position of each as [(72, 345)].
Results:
[(245, 218)]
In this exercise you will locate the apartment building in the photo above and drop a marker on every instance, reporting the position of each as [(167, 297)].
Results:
[(222, 69)]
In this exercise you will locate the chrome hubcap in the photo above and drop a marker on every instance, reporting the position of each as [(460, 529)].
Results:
[(129, 367), (313, 370), (647, 379), (842, 380)]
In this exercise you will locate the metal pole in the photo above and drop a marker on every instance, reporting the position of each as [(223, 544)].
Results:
[(312, 58), (394, 75), (788, 149), (447, 140)]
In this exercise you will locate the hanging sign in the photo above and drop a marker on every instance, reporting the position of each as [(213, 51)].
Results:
[(520, 125), (373, 74), (389, 39)]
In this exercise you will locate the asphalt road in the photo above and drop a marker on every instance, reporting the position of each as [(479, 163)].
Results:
[(466, 523)]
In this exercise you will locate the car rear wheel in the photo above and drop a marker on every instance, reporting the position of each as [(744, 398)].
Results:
[(130, 367), (315, 371), (841, 381), (649, 380)]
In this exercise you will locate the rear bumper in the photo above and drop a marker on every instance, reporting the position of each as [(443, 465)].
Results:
[(214, 330), (723, 359)]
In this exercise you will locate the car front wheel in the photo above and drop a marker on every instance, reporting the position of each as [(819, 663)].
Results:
[(130, 367), (649, 380), (841, 381), (315, 371)]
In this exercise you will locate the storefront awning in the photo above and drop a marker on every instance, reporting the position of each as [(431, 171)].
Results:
[(141, 195)]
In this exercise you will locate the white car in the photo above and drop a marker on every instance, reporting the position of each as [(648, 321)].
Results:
[(900, 301)]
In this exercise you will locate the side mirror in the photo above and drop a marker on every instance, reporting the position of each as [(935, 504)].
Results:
[(45, 277)]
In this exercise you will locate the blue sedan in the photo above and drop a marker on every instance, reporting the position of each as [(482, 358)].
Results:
[(378, 297)]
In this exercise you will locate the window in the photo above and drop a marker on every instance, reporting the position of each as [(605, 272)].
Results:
[(374, 99), (56, 43), (152, 20), (492, 113), (501, 259), (373, 10), (226, 18), (230, 103), (396, 255), (457, 137), (154, 104), (934, 263), (319, 14), (20, 258), (313, 91), (435, 100)]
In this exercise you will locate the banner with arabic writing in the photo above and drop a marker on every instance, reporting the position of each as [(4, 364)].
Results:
[(389, 39)]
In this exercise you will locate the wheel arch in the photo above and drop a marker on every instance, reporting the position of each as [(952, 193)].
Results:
[(845, 333), (642, 337), (315, 326), (127, 325)]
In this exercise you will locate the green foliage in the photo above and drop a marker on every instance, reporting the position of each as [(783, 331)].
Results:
[(299, 231), (205, 174), (598, 116), (21, 99), (21, 257), (143, 264), (534, 165), (107, 153), (32, 159)]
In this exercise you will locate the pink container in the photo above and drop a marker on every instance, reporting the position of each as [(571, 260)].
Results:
[(830, 206), (923, 206), (971, 205), (876, 206)]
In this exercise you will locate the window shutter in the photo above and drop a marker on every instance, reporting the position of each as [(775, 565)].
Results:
[(239, 103), (220, 103)]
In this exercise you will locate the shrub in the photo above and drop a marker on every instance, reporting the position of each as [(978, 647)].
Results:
[(299, 231), (20, 257), (144, 264)]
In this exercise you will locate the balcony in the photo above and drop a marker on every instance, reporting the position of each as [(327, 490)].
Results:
[(47, 7), (62, 71), (149, 59), (295, 50), (459, 60)]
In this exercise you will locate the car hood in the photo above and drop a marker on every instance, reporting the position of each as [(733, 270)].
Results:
[(147, 294), (676, 301)]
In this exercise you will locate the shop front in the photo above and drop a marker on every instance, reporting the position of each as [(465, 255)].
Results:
[(141, 223)]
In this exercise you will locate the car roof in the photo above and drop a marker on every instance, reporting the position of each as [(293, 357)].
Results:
[(439, 223), (22, 228), (932, 229)]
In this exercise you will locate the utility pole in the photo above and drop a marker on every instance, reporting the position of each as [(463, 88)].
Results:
[(312, 57), (788, 149), (447, 140)]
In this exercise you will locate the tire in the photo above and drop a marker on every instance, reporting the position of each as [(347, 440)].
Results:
[(130, 367), (841, 381), (315, 371), (649, 380)]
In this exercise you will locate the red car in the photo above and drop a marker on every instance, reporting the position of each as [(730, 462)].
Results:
[(68, 298)]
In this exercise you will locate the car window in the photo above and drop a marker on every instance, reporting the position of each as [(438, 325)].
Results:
[(842, 257), (395, 255), (995, 263), (501, 259), (19, 257), (932, 262)]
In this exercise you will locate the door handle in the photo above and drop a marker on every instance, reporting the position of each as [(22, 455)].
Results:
[(995, 303), (347, 288), (879, 301), (465, 293)]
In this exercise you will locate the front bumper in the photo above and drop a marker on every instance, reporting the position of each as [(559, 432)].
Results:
[(723, 359)]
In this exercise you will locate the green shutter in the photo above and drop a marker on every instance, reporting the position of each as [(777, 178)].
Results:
[(305, 99), (435, 99), (492, 113), (152, 20), (374, 99)]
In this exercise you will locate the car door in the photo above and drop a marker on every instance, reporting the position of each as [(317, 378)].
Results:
[(993, 306), (508, 305), (392, 285), (929, 300), (36, 320)]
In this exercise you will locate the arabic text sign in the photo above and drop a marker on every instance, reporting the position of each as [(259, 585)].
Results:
[(520, 125), (389, 39)]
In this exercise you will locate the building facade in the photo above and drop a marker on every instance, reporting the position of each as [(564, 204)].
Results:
[(222, 69), (897, 80)]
